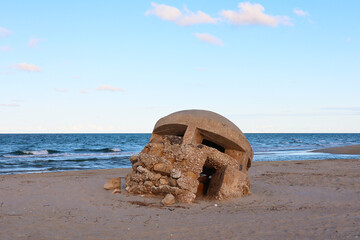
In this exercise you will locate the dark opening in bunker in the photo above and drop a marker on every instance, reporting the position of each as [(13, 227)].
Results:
[(204, 180), (213, 145), (180, 134), (179, 131)]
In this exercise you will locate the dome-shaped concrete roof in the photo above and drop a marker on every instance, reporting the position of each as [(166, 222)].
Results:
[(209, 123)]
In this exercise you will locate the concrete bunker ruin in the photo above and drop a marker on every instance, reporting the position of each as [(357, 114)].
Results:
[(193, 154)]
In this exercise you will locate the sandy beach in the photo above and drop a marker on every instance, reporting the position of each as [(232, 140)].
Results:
[(289, 200)]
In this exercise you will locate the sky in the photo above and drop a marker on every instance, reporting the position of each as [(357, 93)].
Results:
[(117, 67)]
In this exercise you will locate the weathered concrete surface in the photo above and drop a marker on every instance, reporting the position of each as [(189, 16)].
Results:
[(186, 150), (227, 183)]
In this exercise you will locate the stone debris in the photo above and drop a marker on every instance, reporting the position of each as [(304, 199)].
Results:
[(192, 154), (175, 173), (117, 190), (113, 183), (169, 199)]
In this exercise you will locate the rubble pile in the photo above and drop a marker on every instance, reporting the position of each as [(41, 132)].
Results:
[(186, 171)]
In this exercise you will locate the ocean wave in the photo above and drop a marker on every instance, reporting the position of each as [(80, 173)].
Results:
[(46, 152), (71, 155), (55, 169), (35, 152), (22, 170), (104, 150), (91, 159)]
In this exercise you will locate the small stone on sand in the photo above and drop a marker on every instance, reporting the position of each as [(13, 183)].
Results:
[(113, 183), (117, 190), (168, 199)]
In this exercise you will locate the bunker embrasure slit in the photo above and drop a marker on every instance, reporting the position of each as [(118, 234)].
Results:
[(171, 129), (213, 145)]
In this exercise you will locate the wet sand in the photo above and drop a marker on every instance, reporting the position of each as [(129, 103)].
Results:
[(352, 149), (289, 200)]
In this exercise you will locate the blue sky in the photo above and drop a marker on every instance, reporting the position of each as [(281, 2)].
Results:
[(115, 66)]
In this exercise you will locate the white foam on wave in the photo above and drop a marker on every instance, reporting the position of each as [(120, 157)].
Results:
[(39, 152), (70, 155), (29, 154), (115, 149)]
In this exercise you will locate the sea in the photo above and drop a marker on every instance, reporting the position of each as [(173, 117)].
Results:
[(33, 153)]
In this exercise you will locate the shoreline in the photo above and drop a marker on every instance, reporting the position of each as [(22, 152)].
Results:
[(349, 149), (123, 170), (316, 199), (344, 150)]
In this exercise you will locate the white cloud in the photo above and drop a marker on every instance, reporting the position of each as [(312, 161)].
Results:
[(173, 14), (201, 69), (253, 14), (34, 42), (4, 32), (84, 92), (165, 12), (205, 37), (62, 90), (28, 67), (300, 12), (5, 48), (9, 105), (109, 88)]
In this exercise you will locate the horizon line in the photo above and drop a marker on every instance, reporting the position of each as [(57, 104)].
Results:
[(151, 133)]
